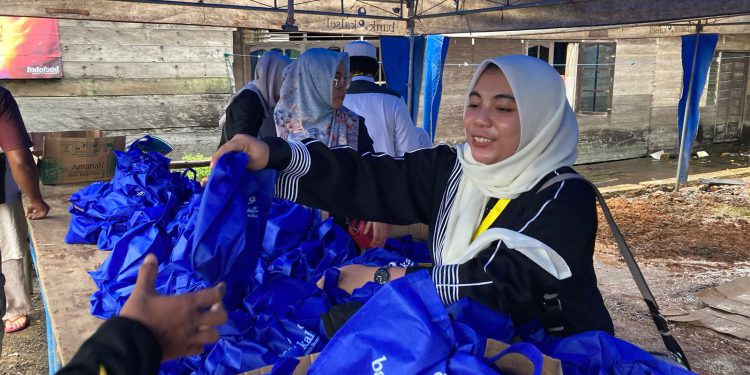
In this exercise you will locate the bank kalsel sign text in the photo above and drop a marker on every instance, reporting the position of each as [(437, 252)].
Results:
[(356, 24)]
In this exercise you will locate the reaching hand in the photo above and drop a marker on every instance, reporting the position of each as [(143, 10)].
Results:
[(380, 233), (37, 210), (355, 276), (182, 324), (256, 149)]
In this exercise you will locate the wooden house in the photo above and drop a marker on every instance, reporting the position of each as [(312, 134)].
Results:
[(624, 83), (132, 79), (175, 80)]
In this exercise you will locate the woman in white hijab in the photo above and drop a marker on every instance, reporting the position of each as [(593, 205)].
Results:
[(251, 109), (501, 232), (312, 102), (312, 106)]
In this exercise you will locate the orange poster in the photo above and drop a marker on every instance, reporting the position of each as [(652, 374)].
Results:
[(29, 48)]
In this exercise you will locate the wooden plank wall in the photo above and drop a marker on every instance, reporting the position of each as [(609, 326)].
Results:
[(172, 80), (739, 43), (450, 128), (132, 79), (667, 90), (623, 133)]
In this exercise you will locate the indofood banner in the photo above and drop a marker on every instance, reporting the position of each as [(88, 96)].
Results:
[(29, 48)]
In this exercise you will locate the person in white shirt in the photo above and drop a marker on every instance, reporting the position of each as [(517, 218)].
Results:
[(386, 116)]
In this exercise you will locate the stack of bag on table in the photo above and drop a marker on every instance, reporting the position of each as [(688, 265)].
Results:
[(270, 253)]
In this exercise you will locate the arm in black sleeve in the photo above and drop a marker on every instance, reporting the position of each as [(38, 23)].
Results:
[(562, 217), (364, 141), (371, 187), (245, 115), (120, 346)]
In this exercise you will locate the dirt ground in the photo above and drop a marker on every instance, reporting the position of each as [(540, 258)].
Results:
[(684, 242), (25, 352)]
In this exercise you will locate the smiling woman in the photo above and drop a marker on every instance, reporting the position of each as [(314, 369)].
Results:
[(498, 233), (491, 120)]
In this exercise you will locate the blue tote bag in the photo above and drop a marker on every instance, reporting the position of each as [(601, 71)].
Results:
[(229, 225), (392, 332)]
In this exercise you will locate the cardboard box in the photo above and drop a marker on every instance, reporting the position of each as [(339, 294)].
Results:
[(511, 364), (76, 156), (417, 231)]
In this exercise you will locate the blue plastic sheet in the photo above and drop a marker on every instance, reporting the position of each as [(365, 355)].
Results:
[(395, 53), (597, 352), (436, 51), (705, 45)]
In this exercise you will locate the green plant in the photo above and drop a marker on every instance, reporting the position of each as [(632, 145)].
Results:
[(200, 171)]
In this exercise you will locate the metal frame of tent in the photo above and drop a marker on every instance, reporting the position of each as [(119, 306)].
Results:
[(385, 17), (392, 17), (364, 17)]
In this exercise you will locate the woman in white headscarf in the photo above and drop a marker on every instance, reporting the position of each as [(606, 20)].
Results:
[(251, 109), (312, 106), (312, 102), (501, 232)]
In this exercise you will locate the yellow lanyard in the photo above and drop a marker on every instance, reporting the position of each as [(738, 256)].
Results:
[(491, 217)]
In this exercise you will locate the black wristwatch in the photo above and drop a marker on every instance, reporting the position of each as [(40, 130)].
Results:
[(382, 275)]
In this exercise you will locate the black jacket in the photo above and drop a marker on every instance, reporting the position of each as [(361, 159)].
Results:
[(245, 115), (420, 188), (120, 346)]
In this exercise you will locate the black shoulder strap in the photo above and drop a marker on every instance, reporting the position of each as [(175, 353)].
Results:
[(661, 323)]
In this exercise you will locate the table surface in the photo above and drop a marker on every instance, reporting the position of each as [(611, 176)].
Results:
[(63, 273)]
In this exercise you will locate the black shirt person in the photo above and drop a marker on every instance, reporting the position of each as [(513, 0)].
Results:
[(251, 109), (151, 329), (536, 246)]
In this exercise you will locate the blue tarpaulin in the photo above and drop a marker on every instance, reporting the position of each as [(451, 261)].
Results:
[(395, 53), (706, 44), (436, 50), (429, 59)]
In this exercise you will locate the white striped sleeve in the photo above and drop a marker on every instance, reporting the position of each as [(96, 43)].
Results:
[(287, 183), (446, 282)]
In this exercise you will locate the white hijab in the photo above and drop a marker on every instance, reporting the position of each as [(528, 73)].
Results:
[(305, 109), (549, 136)]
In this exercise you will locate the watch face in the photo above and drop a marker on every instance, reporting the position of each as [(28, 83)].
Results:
[(382, 275)]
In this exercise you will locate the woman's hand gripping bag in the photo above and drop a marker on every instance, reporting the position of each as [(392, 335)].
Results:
[(230, 223)]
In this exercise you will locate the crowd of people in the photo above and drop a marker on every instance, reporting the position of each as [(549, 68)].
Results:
[(342, 143), (496, 236)]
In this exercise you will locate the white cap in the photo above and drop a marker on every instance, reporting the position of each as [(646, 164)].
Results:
[(361, 48)]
